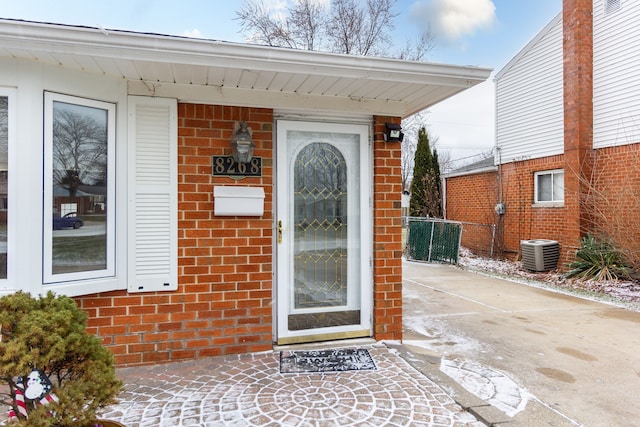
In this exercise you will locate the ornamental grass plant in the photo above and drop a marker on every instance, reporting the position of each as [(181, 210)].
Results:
[(598, 260)]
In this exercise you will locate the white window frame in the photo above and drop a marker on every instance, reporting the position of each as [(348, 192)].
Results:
[(11, 93), (28, 226), (553, 202), (50, 280)]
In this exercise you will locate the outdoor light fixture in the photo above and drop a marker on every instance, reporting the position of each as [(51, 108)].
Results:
[(241, 143), (393, 133)]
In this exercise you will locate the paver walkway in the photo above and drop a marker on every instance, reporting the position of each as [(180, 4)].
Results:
[(249, 390)]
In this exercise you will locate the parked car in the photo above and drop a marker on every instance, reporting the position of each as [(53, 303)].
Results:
[(70, 220)]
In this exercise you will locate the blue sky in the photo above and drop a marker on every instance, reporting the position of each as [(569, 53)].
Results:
[(485, 33)]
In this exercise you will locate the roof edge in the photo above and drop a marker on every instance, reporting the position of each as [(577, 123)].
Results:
[(470, 172), (150, 46), (528, 46)]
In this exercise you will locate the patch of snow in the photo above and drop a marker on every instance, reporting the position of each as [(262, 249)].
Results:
[(487, 384), (440, 337), (616, 292)]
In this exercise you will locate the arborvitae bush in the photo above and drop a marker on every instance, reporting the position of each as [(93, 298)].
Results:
[(49, 334), (426, 192)]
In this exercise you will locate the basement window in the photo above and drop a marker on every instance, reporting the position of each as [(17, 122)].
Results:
[(549, 187)]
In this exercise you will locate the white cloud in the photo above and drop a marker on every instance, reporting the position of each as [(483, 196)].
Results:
[(195, 33), (453, 19), (275, 4)]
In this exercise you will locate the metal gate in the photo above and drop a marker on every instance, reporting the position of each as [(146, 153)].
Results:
[(433, 240)]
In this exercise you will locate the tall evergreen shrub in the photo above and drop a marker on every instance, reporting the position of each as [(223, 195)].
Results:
[(426, 194)]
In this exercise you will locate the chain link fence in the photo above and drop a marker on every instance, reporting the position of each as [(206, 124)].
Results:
[(431, 239)]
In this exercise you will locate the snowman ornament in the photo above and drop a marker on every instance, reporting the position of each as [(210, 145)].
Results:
[(37, 385)]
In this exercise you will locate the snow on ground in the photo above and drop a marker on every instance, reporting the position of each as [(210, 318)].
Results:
[(618, 292), (487, 384), (440, 337)]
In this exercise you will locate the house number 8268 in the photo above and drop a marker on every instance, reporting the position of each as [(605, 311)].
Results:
[(227, 166)]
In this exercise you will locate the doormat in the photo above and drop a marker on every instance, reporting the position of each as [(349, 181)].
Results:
[(292, 362)]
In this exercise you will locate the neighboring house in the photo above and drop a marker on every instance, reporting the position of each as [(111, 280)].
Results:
[(567, 133), (190, 253)]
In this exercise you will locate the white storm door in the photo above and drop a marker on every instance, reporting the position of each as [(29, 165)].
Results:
[(324, 285)]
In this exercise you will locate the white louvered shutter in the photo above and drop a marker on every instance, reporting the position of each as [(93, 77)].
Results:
[(153, 243)]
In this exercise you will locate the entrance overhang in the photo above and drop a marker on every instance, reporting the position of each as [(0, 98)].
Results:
[(211, 71)]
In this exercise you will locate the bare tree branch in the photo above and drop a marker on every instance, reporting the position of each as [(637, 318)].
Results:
[(259, 27), (380, 21), (347, 26), (417, 51), (79, 150), (307, 22)]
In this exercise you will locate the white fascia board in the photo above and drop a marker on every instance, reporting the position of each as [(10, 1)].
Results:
[(123, 45)]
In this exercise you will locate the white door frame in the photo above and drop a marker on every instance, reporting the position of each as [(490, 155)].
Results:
[(284, 237)]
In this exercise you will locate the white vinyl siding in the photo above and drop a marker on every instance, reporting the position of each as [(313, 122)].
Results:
[(616, 71), (529, 99), (153, 207)]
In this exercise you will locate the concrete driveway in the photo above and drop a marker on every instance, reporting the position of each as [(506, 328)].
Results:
[(519, 347)]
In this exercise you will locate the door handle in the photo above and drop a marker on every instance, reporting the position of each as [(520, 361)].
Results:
[(280, 231)]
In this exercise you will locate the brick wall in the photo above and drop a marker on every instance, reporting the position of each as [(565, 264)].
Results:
[(472, 199), (387, 234), (577, 21), (223, 304), (614, 199), (523, 220)]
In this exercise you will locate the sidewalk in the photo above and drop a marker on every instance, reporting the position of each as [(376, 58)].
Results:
[(249, 390)]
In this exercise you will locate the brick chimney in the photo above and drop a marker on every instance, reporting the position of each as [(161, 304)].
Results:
[(577, 18)]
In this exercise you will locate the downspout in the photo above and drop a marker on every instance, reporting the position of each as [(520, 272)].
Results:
[(444, 196), (499, 154)]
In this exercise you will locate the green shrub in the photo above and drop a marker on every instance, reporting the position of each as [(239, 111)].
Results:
[(598, 260), (49, 334)]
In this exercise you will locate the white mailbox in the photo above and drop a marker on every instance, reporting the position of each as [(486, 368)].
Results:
[(238, 201)]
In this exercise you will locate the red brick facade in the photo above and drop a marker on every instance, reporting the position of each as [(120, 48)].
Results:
[(614, 202), (577, 27), (224, 302), (473, 200), (387, 234)]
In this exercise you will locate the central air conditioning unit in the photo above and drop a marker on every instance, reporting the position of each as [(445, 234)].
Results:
[(540, 254)]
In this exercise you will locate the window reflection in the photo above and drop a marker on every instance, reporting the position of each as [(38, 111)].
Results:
[(4, 173), (79, 175), (320, 227)]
